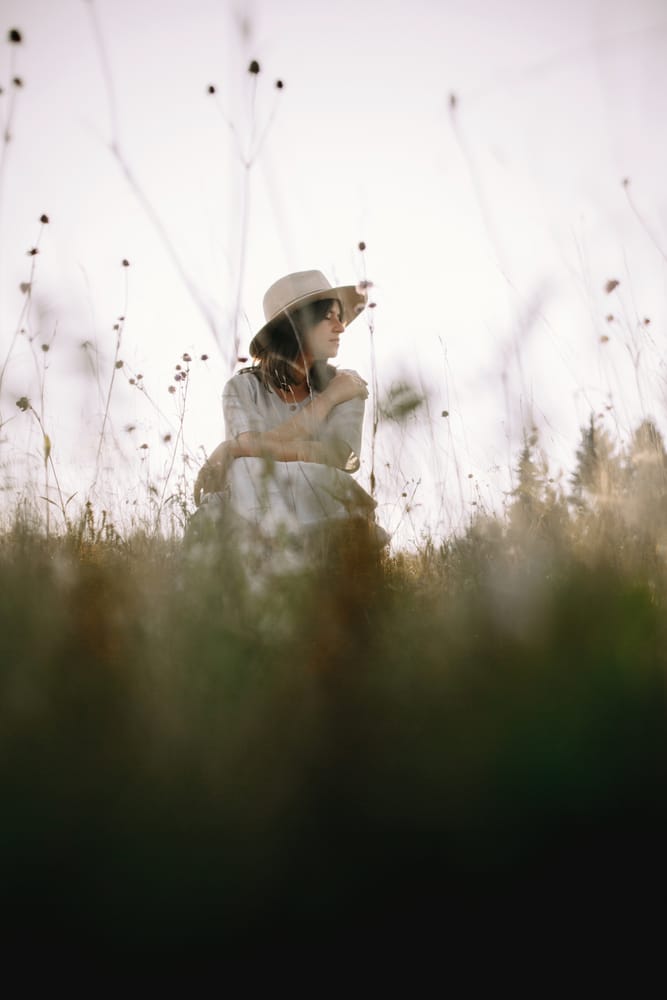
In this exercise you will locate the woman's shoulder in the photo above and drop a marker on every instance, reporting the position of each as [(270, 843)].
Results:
[(244, 385), (244, 378)]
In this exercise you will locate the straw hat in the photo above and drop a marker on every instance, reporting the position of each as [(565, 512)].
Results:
[(297, 290)]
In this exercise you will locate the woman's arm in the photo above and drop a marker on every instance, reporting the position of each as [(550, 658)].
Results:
[(291, 441)]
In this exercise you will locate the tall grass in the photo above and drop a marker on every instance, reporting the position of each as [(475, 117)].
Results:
[(187, 753)]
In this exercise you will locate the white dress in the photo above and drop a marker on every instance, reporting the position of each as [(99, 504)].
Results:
[(286, 500)]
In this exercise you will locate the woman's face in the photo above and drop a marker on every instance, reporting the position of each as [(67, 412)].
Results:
[(323, 339)]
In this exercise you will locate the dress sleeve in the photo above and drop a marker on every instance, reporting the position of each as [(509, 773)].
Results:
[(343, 426), (240, 406)]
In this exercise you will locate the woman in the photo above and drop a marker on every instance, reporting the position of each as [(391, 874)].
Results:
[(293, 422)]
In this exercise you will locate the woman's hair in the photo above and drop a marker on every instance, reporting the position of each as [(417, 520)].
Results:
[(276, 364)]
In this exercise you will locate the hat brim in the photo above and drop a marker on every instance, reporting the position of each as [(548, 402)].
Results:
[(354, 302)]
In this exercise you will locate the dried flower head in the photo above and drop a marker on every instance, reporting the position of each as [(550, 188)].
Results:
[(211, 89), (372, 305), (23, 403), (119, 364), (171, 388), (253, 67), (25, 287), (44, 219), (14, 36), (204, 357), (166, 438), (242, 360), (445, 413), (279, 84), (45, 348), (143, 446), (646, 321), (17, 81), (32, 252), (186, 357), (611, 285), (610, 317), (604, 339), (362, 245), (125, 262)]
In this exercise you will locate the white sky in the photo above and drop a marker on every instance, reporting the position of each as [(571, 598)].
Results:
[(490, 233)]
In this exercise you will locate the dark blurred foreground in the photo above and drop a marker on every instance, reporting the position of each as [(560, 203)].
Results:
[(190, 757)]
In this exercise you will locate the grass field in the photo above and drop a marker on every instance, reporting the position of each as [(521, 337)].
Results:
[(185, 752)]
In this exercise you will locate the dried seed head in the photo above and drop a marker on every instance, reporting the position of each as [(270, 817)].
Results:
[(166, 438), (625, 182), (23, 403), (178, 368), (204, 357), (372, 305), (362, 245), (32, 252), (453, 100), (610, 317), (44, 219), (611, 285), (253, 67), (144, 446), (279, 84), (186, 357), (45, 348), (242, 360), (17, 81), (211, 89), (139, 376), (125, 262), (132, 381), (116, 326), (119, 364), (445, 413), (25, 287), (130, 427), (14, 36), (172, 389), (604, 339), (646, 321)]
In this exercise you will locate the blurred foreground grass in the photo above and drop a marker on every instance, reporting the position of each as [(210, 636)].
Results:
[(185, 753)]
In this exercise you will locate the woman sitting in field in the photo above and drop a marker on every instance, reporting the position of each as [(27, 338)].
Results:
[(293, 422)]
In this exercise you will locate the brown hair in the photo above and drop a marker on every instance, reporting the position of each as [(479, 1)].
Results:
[(276, 363)]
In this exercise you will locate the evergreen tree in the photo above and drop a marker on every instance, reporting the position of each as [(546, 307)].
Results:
[(599, 472)]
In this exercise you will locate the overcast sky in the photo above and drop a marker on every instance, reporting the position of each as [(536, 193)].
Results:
[(478, 148)]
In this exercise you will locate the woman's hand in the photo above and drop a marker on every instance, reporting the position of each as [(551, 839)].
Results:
[(345, 385), (213, 473)]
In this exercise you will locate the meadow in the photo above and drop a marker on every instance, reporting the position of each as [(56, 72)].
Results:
[(190, 751), (187, 752)]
